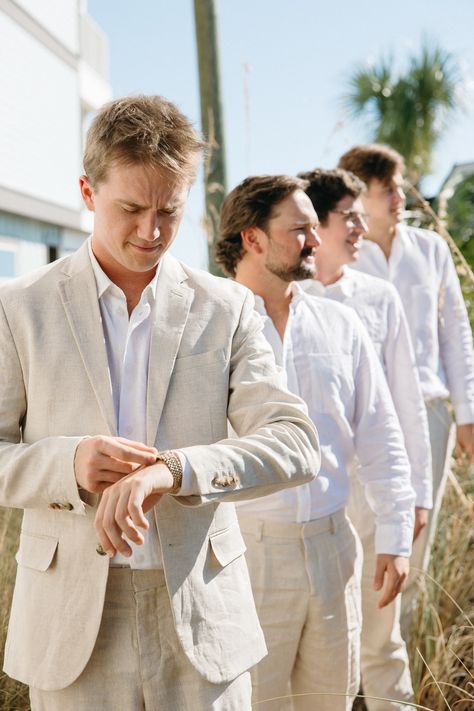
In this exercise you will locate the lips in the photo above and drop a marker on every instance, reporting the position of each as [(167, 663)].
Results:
[(147, 249), (354, 245)]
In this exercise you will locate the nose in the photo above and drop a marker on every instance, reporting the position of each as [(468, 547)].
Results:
[(360, 225), (398, 196), (148, 228), (313, 239)]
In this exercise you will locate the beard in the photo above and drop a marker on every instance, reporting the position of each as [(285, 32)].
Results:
[(293, 272)]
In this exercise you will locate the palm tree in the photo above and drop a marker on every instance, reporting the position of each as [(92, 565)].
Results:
[(408, 112)]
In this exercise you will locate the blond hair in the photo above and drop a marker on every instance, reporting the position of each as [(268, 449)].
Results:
[(142, 129)]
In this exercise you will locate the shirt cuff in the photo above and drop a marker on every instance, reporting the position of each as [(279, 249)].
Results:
[(423, 496), (189, 484), (394, 540), (464, 412)]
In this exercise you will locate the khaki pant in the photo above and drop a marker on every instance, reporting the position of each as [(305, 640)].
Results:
[(442, 439), (306, 584), (138, 663), (384, 659)]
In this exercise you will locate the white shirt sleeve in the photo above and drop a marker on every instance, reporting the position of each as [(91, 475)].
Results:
[(405, 388), (455, 341), (189, 484), (383, 465)]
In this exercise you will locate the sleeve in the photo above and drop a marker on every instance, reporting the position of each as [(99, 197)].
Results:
[(455, 339), (32, 475), (383, 465), (405, 388), (276, 444)]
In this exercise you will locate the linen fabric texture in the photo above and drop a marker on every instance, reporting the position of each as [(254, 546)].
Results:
[(208, 363)]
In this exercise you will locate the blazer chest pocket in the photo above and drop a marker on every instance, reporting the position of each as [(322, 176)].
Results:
[(209, 359), (36, 552), (226, 545)]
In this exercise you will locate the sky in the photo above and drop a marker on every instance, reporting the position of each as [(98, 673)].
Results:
[(284, 68)]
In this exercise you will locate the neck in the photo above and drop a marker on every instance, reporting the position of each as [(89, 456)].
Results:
[(131, 283), (328, 273), (276, 294), (382, 235)]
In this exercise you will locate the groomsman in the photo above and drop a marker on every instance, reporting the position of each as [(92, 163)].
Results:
[(303, 553), (336, 197)]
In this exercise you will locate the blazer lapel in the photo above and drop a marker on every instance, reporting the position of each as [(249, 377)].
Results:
[(173, 301), (79, 297)]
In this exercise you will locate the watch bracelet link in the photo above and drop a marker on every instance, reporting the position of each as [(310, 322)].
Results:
[(173, 462)]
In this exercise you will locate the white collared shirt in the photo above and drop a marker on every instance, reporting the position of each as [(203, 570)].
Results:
[(422, 270), (379, 308), (127, 342), (331, 364)]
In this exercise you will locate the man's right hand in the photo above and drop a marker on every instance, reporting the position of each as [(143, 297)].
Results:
[(101, 461)]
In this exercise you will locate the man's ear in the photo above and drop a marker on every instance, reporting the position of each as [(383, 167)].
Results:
[(87, 192), (252, 240)]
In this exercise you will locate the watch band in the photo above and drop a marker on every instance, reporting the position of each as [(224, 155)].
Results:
[(173, 462)]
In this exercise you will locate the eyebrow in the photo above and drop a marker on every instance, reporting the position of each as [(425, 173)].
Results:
[(303, 223), (137, 206)]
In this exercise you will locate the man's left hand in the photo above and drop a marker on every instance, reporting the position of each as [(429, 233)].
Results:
[(123, 506), (421, 519), (465, 439), (391, 571)]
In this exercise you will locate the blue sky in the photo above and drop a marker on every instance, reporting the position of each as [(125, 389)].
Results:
[(284, 67)]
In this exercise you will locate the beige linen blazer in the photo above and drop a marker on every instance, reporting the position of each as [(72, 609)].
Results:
[(208, 363)]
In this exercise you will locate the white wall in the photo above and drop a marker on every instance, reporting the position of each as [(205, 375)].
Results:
[(23, 256), (40, 131), (59, 17)]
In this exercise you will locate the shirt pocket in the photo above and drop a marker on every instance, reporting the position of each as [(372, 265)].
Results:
[(36, 551)]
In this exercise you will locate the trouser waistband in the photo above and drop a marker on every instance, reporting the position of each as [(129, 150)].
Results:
[(279, 529)]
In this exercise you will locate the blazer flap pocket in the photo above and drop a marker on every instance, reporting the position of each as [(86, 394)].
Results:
[(228, 544), (36, 552)]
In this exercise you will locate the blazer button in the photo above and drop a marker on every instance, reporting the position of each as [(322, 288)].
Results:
[(54, 505), (100, 550)]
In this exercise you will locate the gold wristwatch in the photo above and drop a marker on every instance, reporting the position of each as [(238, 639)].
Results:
[(173, 462)]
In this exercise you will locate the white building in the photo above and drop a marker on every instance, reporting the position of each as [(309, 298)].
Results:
[(53, 73)]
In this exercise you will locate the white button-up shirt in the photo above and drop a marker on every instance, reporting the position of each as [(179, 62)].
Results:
[(128, 349), (378, 306), (421, 269), (331, 364)]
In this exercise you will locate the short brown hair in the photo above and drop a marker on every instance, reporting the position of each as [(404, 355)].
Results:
[(327, 187), (372, 161), (141, 129), (250, 204)]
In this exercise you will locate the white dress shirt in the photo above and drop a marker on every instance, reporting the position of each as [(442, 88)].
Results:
[(422, 270), (127, 342), (378, 306), (331, 364)]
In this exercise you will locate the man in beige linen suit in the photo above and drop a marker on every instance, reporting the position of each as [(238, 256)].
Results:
[(119, 369)]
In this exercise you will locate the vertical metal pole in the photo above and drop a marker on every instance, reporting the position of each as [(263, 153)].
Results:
[(211, 118)]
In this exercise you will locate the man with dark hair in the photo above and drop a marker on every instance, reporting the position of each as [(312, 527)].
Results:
[(119, 371), (336, 197), (304, 556), (418, 263)]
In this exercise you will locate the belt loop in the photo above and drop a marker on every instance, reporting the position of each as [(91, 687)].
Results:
[(332, 524), (259, 533)]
